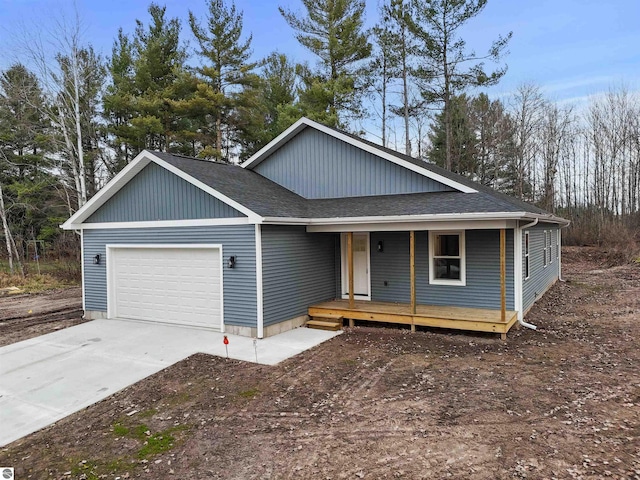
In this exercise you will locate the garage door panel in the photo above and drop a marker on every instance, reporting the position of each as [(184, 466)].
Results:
[(176, 285)]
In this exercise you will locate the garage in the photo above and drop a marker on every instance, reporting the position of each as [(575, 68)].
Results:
[(179, 284)]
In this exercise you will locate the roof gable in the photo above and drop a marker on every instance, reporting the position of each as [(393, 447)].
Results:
[(316, 165), (129, 173), (157, 194), (408, 163)]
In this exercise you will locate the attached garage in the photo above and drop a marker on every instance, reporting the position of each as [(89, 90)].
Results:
[(179, 284)]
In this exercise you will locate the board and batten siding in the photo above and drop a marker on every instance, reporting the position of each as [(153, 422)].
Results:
[(540, 277), (239, 283), (482, 288), (157, 194), (298, 270), (316, 165)]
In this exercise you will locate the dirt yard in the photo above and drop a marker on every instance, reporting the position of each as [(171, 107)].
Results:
[(30, 315), (373, 403)]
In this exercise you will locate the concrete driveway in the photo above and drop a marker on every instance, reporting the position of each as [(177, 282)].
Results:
[(46, 378)]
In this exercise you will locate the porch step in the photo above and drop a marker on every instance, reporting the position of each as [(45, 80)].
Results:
[(326, 322)]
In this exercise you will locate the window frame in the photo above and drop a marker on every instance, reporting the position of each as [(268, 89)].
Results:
[(527, 256), (550, 247), (462, 281), (545, 260)]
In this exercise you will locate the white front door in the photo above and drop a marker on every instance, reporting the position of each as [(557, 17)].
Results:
[(361, 266)]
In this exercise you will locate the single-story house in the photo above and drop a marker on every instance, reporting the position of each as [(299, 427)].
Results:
[(318, 223)]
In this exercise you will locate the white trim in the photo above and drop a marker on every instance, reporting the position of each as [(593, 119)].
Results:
[(127, 173), (559, 240), (109, 262), (259, 284), (344, 279), (462, 254), (518, 266), (441, 217), (201, 222), (407, 226), (527, 255), (545, 261), (82, 269), (305, 122)]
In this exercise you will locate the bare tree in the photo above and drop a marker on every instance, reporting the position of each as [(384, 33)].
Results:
[(58, 58)]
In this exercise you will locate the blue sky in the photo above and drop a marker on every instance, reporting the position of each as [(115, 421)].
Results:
[(571, 48)]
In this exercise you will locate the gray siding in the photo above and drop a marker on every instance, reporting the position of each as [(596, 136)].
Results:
[(482, 288), (316, 165), (298, 270), (540, 277), (239, 283), (157, 194)]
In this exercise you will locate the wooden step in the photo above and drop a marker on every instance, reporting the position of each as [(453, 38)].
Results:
[(332, 323)]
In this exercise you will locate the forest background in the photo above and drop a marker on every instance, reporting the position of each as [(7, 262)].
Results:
[(72, 117)]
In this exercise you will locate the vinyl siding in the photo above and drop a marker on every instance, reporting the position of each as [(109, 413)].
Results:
[(157, 194), (239, 283), (316, 165), (298, 270), (540, 277), (482, 288)]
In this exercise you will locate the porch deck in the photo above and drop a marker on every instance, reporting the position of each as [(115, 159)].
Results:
[(459, 318)]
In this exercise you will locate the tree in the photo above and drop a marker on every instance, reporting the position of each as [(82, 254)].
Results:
[(463, 140), (333, 30), (228, 68), (447, 68), (382, 68), (148, 82)]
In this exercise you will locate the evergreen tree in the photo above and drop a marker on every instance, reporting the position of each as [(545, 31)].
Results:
[(446, 67), (148, 82), (226, 69), (463, 141), (332, 30)]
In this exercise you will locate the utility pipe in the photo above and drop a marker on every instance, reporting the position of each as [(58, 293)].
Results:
[(522, 322)]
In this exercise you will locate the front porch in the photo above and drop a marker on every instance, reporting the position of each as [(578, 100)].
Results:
[(458, 318)]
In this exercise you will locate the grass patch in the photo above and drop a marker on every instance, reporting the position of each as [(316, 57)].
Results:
[(157, 443), (52, 274), (120, 430), (251, 393)]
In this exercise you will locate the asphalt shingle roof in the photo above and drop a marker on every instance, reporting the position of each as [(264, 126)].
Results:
[(268, 199)]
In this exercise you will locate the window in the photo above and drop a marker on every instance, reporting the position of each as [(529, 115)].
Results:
[(446, 258), (550, 247), (544, 249), (526, 255)]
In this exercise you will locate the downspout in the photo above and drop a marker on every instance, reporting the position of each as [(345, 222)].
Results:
[(521, 321)]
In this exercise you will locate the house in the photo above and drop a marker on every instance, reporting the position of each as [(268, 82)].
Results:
[(318, 223)]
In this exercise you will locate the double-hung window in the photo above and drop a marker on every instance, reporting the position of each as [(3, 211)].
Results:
[(447, 258)]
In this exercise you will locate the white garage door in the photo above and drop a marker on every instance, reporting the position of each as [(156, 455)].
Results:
[(168, 284)]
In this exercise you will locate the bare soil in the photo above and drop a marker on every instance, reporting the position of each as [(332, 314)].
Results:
[(560, 402), (30, 315)]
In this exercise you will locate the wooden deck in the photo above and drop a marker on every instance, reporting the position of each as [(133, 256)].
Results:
[(459, 318)]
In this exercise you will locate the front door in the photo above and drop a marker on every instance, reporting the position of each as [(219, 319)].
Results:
[(361, 279)]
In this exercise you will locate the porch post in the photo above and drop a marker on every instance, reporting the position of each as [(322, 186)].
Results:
[(503, 275), (352, 302), (412, 260)]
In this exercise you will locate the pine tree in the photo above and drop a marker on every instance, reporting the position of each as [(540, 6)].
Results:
[(446, 67), (332, 30), (463, 140), (227, 69)]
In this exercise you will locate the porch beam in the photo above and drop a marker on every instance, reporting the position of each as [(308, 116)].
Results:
[(352, 302), (503, 275), (412, 260)]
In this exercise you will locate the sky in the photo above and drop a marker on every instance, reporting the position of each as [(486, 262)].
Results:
[(572, 49)]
